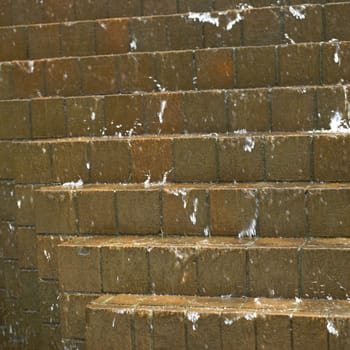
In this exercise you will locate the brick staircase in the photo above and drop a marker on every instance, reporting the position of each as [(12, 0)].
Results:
[(174, 174)]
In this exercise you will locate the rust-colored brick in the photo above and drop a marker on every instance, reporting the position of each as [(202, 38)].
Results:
[(255, 66), (214, 69)]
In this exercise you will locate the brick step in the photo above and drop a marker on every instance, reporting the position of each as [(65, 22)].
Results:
[(242, 157), (157, 322), (17, 12), (276, 109), (309, 23), (202, 69), (208, 267), (236, 210)]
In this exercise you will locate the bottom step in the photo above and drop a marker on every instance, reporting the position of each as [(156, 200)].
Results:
[(132, 322)]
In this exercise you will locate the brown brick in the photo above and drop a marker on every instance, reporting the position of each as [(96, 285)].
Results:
[(205, 332), (5, 13), (96, 212), (44, 41), (26, 248), (13, 44), (175, 70), (32, 162), (70, 161), (6, 156), (233, 211), (52, 339), (143, 328), (32, 324), (135, 72), (145, 216), (225, 4), (169, 328), (78, 39), (329, 167), (49, 301), (26, 11), (85, 116), (185, 211), (288, 158), (241, 158), (237, 332), (14, 120), (195, 5), (110, 160), (149, 34), (205, 112), (327, 212), (151, 158), (123, 115), (264, 278), (184, 33), (299, 64), (6, 80), (28, 79), (48, 118), (7, 203), (132, 274), (325, 270), (9, 240), (58, 12), (181, 262), (309, 29), (91, 9), (54, 212), (126, 8), (222, 271), (249, 110), (112, 36), (296, 115), (273, 331), (105, 328), (155, 7), (330, 100), (337, 23), (73, 314), (29, 299), (282, 212), (309, 332), (214, 68), (221, 36), (11, 273), (164, 113), (195, 159), (98, 75), (24, 197), (63, 77), (255, 66), (74, 344), (336, 62), (342, 341), (79, 268), (262, 27)]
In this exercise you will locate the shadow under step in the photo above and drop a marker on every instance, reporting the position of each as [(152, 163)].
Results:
[(263, 267), (195, 323), (236, 210)]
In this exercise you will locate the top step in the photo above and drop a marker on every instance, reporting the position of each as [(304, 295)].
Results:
[(13, 12), (245, 26)]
